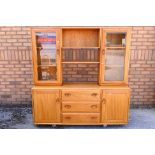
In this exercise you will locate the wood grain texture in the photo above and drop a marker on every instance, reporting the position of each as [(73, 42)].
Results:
[(46, 106), (78, 118), (115, 106), (81, 106), (81, 103), (80, 37), (80, 95)]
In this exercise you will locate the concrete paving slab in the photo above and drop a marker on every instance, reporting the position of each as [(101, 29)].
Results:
[(21, 118)]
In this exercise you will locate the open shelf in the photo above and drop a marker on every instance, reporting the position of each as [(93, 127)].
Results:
[(80, 47), (115, 47), (80, 55), (80, 38), (47, 65), (80, 62)]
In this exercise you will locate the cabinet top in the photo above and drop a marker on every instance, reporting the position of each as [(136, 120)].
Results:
[(80, 86)]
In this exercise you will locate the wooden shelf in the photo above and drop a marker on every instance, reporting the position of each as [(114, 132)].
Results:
[(114, 65), (46, 65), (115, 47), (80, 62), (80, 47)]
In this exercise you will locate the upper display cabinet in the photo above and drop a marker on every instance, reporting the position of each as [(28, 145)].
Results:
[(46, 56), (114, 58)]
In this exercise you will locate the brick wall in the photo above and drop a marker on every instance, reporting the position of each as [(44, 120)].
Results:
[(80, 72), (142, 65), (16, 67)]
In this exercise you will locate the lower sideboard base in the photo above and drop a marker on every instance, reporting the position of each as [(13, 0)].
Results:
[(85, 105)]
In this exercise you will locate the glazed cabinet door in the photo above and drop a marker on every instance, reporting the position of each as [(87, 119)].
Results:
[(115, 106), (114, 56), (46, 56), (46, 106)]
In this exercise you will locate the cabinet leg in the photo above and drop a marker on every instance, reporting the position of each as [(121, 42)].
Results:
[(53, 125)]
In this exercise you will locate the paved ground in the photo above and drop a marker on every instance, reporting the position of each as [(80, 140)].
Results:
[(21, 118)]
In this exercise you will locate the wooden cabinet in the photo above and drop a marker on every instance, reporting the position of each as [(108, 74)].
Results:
[(115, 106), (114, 57), (46, 106), (81, 75), (46, 56)]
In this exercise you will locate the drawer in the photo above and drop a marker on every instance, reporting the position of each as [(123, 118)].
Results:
[(80, 95), (81, 118), (81, 106)]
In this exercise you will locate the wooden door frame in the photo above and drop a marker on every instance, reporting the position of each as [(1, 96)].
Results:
[(102, 56), (58, 56)]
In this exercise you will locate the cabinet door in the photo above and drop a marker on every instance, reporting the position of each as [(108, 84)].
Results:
[(46, 56), (46, 106), (114, 56), (115, 106)]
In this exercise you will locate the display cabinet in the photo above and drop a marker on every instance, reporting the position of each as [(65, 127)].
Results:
[(114, 58), (46, 56), (81, 75)]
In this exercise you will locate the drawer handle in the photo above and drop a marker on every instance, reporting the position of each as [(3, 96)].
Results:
[(93, 117), (68, 106), (103, 101), (94, 94), (93, 106), (67, 117), (57, 100), (67, 94)]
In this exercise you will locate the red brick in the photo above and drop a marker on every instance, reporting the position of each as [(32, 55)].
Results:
[(148, 28)]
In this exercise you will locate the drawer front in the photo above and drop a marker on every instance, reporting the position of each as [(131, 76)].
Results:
[(80, 95), (81, 107), (81, 118)]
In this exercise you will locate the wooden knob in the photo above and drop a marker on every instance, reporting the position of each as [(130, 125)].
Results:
[(68, 106), (68, 117), (93, 117), (103, 101), (67, 94), (57, 100), (94, 94), (93, 106)]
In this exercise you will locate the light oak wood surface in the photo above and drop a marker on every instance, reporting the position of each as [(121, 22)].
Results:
[(46, 106), (102, 103), (78, 118), (81, 106)]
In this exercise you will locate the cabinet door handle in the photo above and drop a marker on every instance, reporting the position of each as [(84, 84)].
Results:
[(93, 117), (94, 94), (67, 94), (68, 117), (93, 106), (103, 101), (58, 100), (68, 106)]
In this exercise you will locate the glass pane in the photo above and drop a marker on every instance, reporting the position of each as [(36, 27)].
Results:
[(115, 39), (46, 55), (114, 65)]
